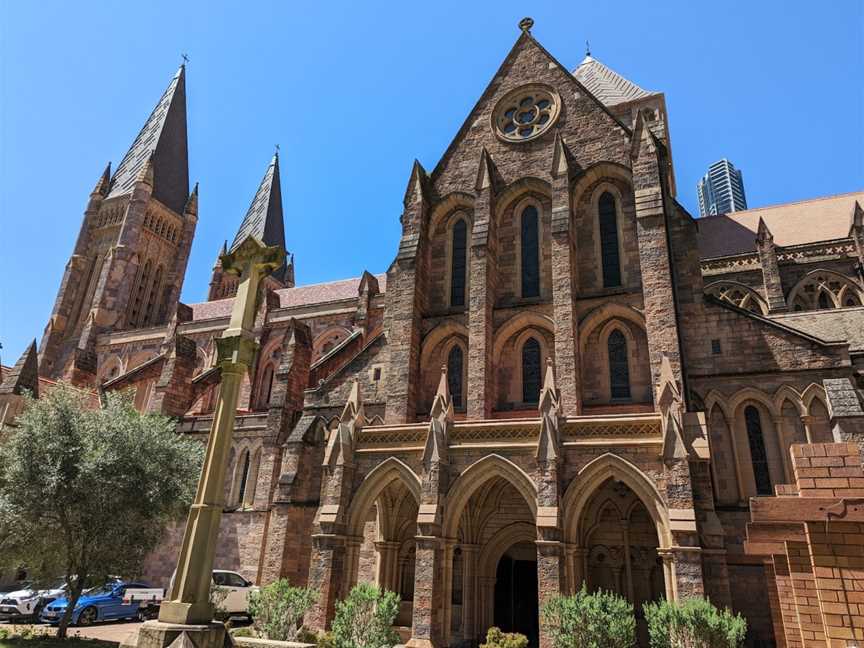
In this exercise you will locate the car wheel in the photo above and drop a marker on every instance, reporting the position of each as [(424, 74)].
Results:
[(87, 616)]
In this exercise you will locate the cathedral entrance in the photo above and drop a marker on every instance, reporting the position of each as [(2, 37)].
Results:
[(619, 541), (516, 597)]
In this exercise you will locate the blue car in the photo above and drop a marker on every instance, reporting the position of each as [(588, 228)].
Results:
[(98, 604)]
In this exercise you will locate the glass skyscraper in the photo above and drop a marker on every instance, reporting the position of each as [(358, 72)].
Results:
[(721, 190)]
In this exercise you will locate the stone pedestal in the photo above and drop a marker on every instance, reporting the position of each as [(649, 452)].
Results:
[(156, 634)]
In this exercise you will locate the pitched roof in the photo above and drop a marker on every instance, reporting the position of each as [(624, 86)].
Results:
[(164, 138), (841, 324), (796, 223), (264, 217), (606, 84), (312, 294)]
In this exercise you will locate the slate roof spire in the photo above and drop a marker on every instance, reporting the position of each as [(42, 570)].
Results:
[(162, 139), (605, 83), (264, 217)]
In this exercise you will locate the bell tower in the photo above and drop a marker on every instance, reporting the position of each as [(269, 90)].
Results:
[(127, 267)]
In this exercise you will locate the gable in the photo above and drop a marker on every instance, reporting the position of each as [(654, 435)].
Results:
[(590, 131)]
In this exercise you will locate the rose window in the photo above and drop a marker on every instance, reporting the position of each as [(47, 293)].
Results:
[(525, 113)]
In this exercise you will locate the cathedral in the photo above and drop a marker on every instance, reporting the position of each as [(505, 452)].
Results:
[(561, 378)]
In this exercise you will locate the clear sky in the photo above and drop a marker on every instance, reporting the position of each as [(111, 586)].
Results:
[(354, 91)]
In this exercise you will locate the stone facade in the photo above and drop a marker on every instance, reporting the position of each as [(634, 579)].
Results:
[(561, 378)]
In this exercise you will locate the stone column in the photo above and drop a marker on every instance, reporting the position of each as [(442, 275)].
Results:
[(469, 591), (327, 573), (487, 604), (564, 278), (189, 599), (770, 269), (428, 593), (481, 294), (550, 578), (687, 572), (447, 592)]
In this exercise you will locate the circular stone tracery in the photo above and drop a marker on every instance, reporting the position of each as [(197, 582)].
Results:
[(525, 113)]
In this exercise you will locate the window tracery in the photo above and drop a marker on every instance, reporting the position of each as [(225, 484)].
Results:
[(525, 113), (609, 245), (531, 371), (530, 253), (824, 290), (619, 368), (458, 263), (738, 295), (758, 454)]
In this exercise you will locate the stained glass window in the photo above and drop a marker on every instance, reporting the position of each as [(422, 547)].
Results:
[(530, 253), (619, 369), (609, 241), (531, 371), (454, 375), (457, 264), (758, 455)]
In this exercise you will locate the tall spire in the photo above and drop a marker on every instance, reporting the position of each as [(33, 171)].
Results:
[(264, 217), (163, 138)]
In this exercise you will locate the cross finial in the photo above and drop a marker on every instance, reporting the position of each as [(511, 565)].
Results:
[(526, 24), (185, 58), (587, 48), (276, 153)]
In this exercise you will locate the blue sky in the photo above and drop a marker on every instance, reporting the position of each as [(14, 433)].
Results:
[(354, 91)]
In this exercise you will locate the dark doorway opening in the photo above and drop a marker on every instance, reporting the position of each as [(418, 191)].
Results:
[(516, 598)]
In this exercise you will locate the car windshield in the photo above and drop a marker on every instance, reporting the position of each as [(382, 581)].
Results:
[(107, 588), (60, 583)]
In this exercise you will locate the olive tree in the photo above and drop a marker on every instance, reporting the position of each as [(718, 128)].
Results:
[(86, 491)]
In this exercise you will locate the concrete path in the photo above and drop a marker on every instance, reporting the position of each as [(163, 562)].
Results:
[(114, 632)]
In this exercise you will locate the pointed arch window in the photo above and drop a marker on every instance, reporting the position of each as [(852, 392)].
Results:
[(454, 375), (531, 371), (458, 263), (266, 386), (824, 301), (609, 252), (152, 315), (244, 477), (619, 369), (530, 252), (758, 455)]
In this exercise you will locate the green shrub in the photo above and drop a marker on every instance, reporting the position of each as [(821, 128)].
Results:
[(325, 640), (695, 623), (365, 618), (601, 620), (278, 608), (495, 638), (243, 631)]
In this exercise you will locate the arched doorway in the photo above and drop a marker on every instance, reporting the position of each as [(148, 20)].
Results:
[(491, 511), (382, 526), (516, 607), (620, 549)]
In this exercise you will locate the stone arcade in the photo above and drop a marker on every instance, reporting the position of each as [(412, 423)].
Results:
[(561, 378)]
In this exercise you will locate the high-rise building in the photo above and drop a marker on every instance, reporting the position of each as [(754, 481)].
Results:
[(721, 190)]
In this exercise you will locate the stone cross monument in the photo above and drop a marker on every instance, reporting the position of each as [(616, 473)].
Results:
[(187, 614)]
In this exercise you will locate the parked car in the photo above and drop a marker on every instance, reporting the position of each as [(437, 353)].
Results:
[(27, 601), (103, 603), (236, 602)]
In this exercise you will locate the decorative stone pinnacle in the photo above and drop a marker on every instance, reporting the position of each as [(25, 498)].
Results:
[(526, 24)]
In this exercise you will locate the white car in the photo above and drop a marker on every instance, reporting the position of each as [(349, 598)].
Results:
[(236, 602), (27, 603)]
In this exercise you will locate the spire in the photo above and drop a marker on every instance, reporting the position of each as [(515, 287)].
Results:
[(162, 139), (605, 83), (763, 234), (101, 187), (548, 449), (192, 202), (24, 375), (416, 190), (857, 221), (264, 218)]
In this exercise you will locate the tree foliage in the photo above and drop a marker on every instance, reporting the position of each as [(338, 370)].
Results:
[(695, 623), (87, 492), (365, 618), (496, 638), (278, 609), (600, 620)]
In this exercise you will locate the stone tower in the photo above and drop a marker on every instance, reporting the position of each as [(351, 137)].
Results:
[(127, 268), (263, 219)]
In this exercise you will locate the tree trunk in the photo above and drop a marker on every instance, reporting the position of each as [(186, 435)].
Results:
[(72, 600)]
